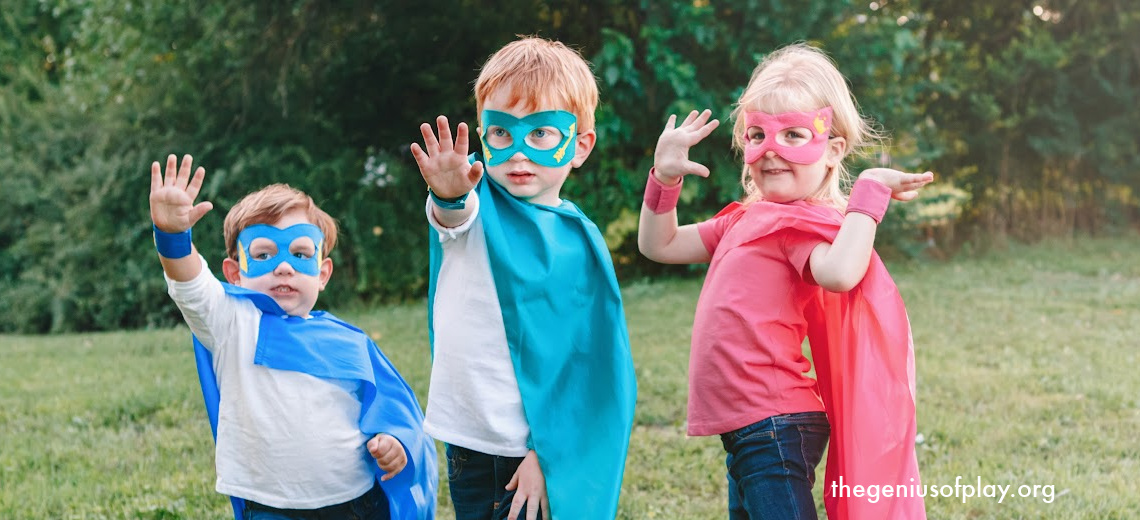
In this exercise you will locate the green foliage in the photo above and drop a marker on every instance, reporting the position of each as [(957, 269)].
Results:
[(1029, 113)]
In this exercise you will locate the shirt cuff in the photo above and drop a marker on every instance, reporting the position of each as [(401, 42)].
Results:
[(446, 233)]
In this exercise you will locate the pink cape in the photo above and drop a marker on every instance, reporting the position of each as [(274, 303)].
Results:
[(864, 360)]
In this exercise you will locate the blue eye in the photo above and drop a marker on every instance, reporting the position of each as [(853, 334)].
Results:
[(540, 133), (302, 255), (498, 132), (262, 256)]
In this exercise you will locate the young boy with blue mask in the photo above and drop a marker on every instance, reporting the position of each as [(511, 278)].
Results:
[(310, 419), (532, 385)]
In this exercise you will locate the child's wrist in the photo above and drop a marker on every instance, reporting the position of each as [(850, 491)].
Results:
[(173, 245), (459, 202), (660, 197), (869, 197)]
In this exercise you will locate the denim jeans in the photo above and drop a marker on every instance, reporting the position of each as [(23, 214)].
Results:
[(771, 466), (372, 505), (478, 484)]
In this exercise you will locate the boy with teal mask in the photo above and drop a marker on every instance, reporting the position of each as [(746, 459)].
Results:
[(532, 384), (310, 419)]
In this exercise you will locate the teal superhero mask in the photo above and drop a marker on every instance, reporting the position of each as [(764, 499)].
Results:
[(546, 138), (284, 238)]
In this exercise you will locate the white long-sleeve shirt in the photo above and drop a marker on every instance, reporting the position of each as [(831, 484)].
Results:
[(285, 439), (474, 399)]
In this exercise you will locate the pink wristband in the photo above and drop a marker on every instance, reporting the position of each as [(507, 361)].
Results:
[(660, 198), (869, 197)]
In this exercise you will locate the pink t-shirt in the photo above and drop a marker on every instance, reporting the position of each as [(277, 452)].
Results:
[(746, 363)]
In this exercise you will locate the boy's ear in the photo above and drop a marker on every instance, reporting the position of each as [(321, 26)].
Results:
[(836, 151), (326, 272), (232, 271), (586, 142)]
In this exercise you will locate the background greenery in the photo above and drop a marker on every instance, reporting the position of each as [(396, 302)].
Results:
[(1028, 108), (1026, 376)]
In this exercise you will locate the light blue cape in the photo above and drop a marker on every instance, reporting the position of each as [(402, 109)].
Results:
[(324, 346), (566, 331)]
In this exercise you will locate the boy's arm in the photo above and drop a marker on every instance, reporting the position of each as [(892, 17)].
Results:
[(841, 265), (449, 176), (173, 212), (658, 236)]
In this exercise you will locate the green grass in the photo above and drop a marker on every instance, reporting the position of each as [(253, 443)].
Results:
[(1027, 374)]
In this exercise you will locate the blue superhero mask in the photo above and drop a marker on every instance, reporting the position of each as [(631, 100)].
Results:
[(546, 138), (283, 238)]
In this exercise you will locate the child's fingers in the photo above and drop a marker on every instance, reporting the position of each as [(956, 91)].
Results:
[(707, 129), (419, 155), (475, 173), (671, 123), (430, 143), (695, 168), (703, 117), (905, 195), (199, 211), (195, 185), (516, 506), (171, 170), (545, 503), (445, 142), (461, 139), (184, 171), (689, 120), (532, 509), (388, 476), (514, 483), (155, 177)]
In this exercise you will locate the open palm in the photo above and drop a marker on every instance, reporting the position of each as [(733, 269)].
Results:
[(443, 162), (172, 196), (671, 158)]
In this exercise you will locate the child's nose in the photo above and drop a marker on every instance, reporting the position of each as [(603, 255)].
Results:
[(519, 157), (283, 268)]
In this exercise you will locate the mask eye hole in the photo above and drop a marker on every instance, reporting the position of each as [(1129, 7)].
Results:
[(754, 135), (262, 249), (544, 138), (303, 248), (499, 137), (794, 137)]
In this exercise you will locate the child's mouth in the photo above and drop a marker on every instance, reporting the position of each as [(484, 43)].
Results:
[(520, 177), (283, 290)]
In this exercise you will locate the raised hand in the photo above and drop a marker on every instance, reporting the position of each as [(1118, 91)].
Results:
[(389, 454), (172, 197), (671, 159), (904, 186), (443, 162)]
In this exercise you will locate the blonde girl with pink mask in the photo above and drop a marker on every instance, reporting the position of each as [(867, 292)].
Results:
[(795, 260)]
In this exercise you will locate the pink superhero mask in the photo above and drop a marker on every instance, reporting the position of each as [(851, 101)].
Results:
[(818, 122)]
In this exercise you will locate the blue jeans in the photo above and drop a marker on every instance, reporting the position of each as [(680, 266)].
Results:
[(771, 466), (372, 505), (478, 484)]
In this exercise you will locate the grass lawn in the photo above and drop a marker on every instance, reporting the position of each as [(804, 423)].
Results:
[(1027, 375)]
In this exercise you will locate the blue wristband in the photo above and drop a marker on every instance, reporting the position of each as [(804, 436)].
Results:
[(172, 245), (456, 203)]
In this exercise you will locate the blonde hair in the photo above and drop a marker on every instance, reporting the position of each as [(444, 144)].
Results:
[(268, 205), (801, 78), (541, 72)]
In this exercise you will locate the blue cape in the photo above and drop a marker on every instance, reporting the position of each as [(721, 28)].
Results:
[(324, 346), (566, 332)]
